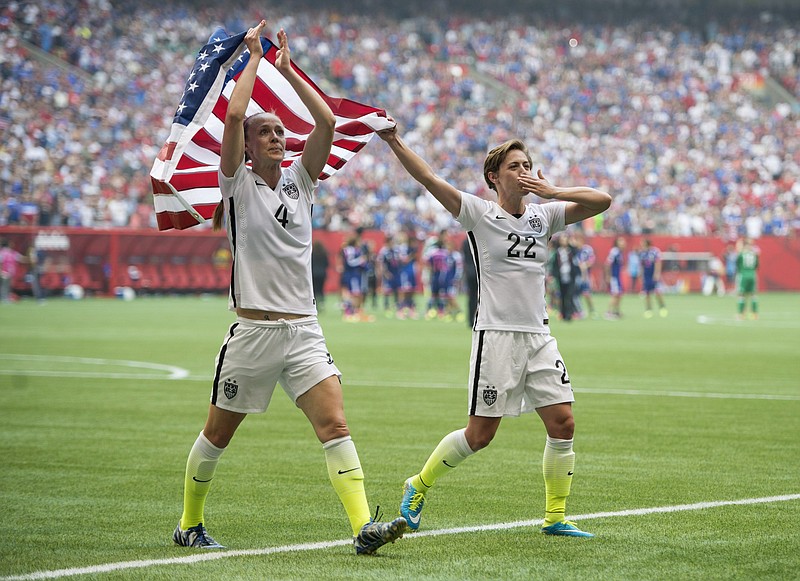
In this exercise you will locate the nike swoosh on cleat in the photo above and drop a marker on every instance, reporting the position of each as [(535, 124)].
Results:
[(569, 473), (414, 519), (201, 481), (446, 464), (350, 470)]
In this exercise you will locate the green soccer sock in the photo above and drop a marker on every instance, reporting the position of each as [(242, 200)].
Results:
[(451, 451), (558, 464), (200, 468), (347, 477)]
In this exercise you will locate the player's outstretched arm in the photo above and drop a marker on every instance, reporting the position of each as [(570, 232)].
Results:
[(419, 169)]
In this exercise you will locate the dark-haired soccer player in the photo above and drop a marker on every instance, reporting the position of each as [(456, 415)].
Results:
[(515, 365)]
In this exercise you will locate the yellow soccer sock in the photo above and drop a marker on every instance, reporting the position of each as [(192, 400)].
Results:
[(558, 464), (344, 469), (200, 468), (451, 451)]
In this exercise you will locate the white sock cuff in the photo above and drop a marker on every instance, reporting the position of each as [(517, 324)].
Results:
[(461, 443), (557, 444), (208, 448), (335, 442)]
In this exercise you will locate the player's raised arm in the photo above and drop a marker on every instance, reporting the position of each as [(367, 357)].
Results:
[(318, 146), (232, 148), (584, 202), (419, 169)]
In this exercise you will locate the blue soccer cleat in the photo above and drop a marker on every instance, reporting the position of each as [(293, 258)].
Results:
[(566, 529), (411, 505)]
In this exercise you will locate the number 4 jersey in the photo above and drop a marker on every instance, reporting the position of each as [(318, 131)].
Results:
[(511, 256), (270, 236)]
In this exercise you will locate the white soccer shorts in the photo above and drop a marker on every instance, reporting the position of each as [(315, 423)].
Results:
[(257, 355), (514, 372)]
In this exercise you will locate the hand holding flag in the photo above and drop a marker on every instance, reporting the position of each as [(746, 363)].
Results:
[(184, 174)]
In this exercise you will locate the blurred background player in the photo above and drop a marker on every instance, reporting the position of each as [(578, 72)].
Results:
[(388, 272), (9, 258), (634, 269), (407, 252), (354, 278), (613, 267), (455, 274), (566, 273), (586, 259), (437, 265), (650, 258), (714, 280), (746, 278), (370, 276)]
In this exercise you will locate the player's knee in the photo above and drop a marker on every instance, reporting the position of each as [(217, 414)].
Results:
[(332, 429), (219, 436), (479, 440), (562, 428)]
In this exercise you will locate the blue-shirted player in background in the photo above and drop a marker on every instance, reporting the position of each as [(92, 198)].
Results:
[(650, 258)]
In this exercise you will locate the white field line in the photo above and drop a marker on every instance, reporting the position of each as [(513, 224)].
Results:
[(174, 372), (211, 556), (178, 373)]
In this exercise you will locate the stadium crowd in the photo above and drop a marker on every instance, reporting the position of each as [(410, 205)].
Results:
[(663, 117)]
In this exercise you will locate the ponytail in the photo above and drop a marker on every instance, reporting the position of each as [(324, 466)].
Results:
[(219, 213)]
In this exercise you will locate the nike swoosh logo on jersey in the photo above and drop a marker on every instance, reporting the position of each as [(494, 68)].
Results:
[(350, 470), (499, 217), (414, 519)]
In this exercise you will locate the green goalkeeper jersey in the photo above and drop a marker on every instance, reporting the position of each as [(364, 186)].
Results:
[(747, 264)]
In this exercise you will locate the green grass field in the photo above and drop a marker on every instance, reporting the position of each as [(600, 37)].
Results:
[(103, 398)]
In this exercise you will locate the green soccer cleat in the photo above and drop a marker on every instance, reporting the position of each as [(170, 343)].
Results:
[(566, 529), (196, 537), (411, 504), (374, 535)]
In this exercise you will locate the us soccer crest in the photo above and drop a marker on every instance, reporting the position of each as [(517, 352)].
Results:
[(536, 224), (230, 387), (489, 395), (291, 191)]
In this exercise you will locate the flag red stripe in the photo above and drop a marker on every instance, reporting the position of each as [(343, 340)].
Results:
[(200, 179), (196, 186)]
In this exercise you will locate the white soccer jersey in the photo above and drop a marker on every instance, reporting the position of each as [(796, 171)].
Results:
[(270, 236), (511, 256)]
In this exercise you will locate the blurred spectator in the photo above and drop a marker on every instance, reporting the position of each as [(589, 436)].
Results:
[(9, 258)]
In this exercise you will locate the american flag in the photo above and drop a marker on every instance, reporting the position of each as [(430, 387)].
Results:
[(184, 174)]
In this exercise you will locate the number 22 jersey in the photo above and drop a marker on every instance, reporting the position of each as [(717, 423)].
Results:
[(511, 256)]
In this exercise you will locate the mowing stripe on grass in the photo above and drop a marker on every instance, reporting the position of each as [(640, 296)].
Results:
[(178, 373), (210, 556)]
